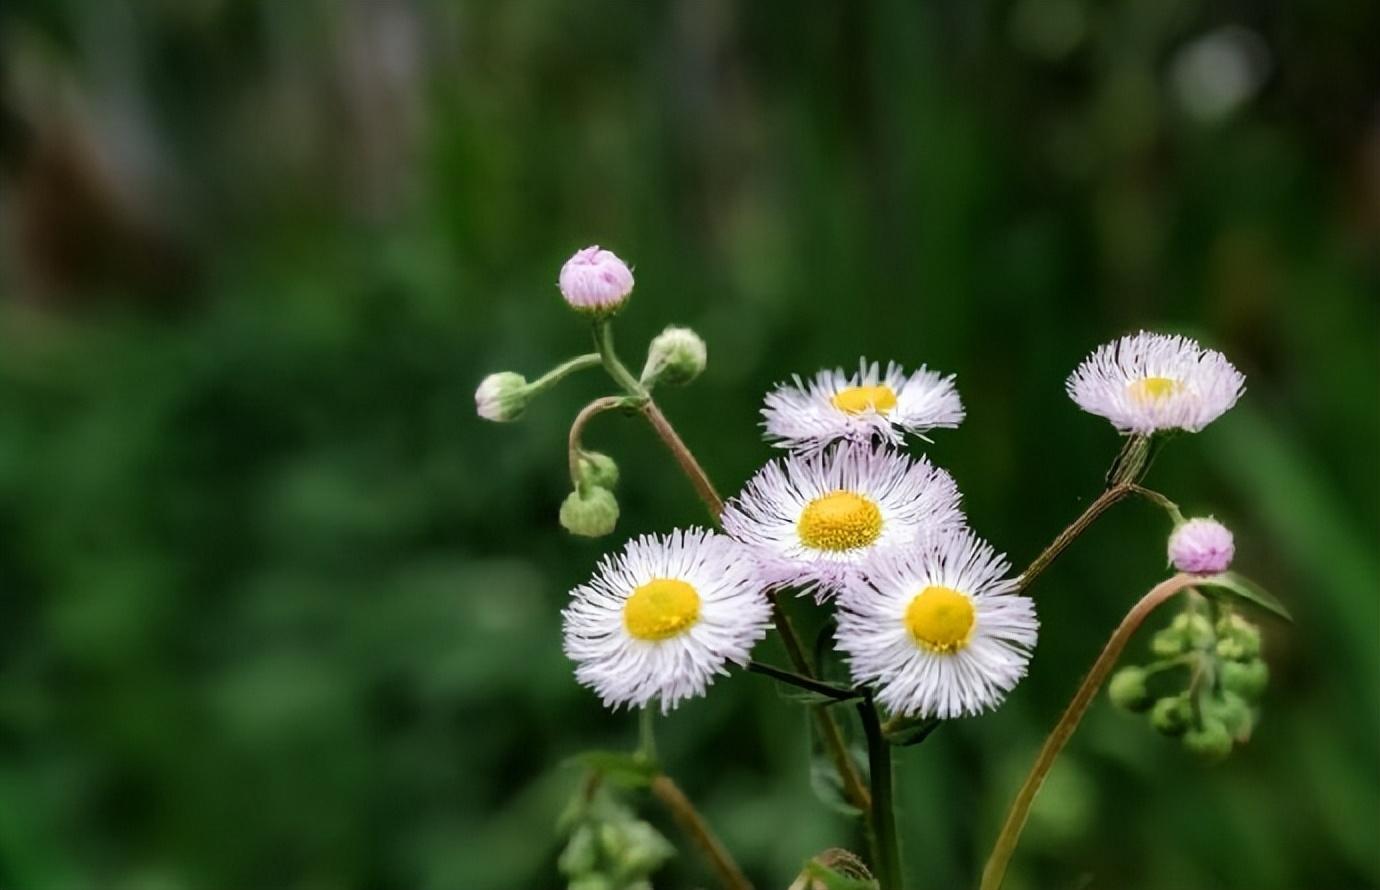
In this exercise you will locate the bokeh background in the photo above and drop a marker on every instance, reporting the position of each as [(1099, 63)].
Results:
[(278, 611)]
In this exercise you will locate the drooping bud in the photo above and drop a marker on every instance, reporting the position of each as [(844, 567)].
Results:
[(590, 512), (1171, 715), (1247, 679), (675, 356), (1235, 713), (1210, 741), (1127, 689), (1169, 642), (596, 281), (502, 397), (597, 469), (1201, 547)]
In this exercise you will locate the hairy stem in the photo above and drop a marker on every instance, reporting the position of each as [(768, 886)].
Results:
[(1010, 835), (888, 856), (565, 369), (1070, 534), (855, 790), (694, 826), (684, 458), (577, 430)]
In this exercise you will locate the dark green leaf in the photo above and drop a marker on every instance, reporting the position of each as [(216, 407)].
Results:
[(912, 730), (1246, 589)]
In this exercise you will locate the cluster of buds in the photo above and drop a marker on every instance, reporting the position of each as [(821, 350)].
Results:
[(596, 284), (1217, 708), (609, 848)]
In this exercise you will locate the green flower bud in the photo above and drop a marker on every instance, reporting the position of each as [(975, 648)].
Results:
[(598, 469), (1127, 689), (1169, 642), (590, 513), (1171, 715), (592, 882), (644, 849), (502, 397), (1211, 741), (581, 854), (1247, 679), (1235, 713), (1237, 638), (676, 356)]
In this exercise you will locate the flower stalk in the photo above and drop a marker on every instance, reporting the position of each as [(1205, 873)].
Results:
[(699, 832), (1016, 817)]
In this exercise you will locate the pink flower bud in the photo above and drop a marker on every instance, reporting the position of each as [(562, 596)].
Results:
[(1201, 547), (595, 280)]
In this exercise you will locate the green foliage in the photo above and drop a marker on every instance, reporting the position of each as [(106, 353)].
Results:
[(280, 611)]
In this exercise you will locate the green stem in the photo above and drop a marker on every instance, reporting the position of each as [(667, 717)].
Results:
[(577, 430), (646, 735), (563, 370), (808, 683), (888, 858), (1070, 534), (603, 342), (1160, 500), (1010, 835)]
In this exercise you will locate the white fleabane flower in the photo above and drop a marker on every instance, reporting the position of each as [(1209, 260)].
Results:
[(811, 520), (939, 629), (663, 616), (860, 408), (1145, 383)]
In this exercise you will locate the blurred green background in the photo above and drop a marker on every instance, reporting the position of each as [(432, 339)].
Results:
[(280, 612)]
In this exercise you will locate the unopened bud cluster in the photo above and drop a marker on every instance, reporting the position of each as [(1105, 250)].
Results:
[(591, 510), (610, 848), (1205, 684)]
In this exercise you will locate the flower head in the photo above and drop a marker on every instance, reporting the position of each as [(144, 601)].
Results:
[(662, 617), (595, 280), (1201, 547), (939, 628), (862, 407), (811, 520), (1145, 383), (501, 397)]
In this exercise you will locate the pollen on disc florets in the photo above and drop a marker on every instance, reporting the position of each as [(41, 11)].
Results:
[(662, 608), (857, 399), (840, 520), (1152, 389), (941, 619)]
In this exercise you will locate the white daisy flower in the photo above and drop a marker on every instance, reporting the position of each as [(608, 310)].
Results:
[(938, 629), (662, 617), (866, 406), (811, 520), (1145, 383)]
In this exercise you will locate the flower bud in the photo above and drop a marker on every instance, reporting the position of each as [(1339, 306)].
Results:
[(676, 356), (581, 854), (1197, 630), (1168, 642), (590, 512), (1127, 689), (1211, 741), (501, 397), (596, 281), (1201, 547), (1171, 715), (598, 469), (644, 849), (1247, 679), (1235, 713), (1237, 638)]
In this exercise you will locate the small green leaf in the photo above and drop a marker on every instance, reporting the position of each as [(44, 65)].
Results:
[(806, 697), (627, 770), (1246, 589), (912, 731), (825, 782)]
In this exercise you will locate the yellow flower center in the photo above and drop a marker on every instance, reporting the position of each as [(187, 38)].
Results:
[(940, 619), (839, 521), (1152, 389), (660, 609), (857, 399)]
